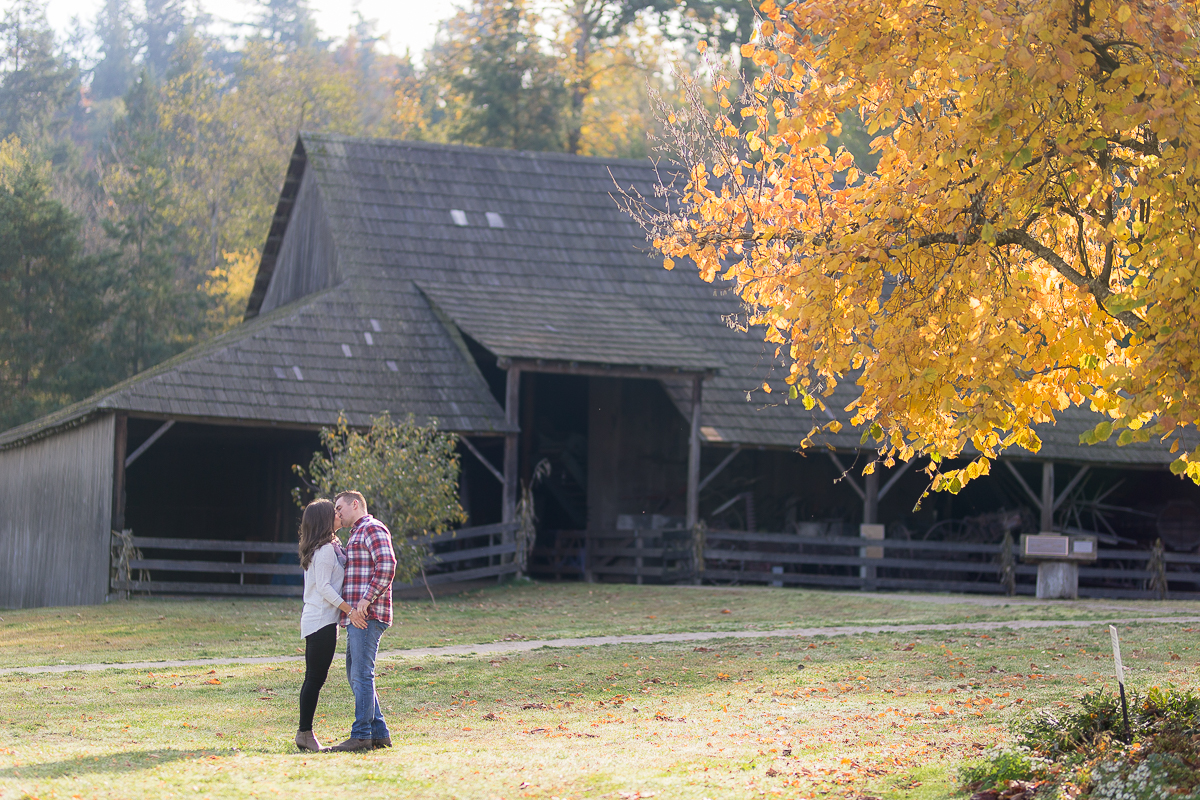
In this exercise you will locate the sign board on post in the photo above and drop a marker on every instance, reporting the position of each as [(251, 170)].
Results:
[(1056, 547), (1058, 559)]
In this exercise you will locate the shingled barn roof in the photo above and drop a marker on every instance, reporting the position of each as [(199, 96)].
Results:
[(382, 251)]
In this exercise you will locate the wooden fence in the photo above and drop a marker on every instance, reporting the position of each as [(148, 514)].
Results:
[(561, 557), (250, 568), (787, 559), (664, 555)]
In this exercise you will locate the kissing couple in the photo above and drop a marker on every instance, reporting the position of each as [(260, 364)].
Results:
[(349, 588)]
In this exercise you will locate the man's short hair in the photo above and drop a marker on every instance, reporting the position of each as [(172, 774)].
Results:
[(362, 501)]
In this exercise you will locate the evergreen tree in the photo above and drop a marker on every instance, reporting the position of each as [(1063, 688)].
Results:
[(165, 24), (113, 76), (38, 85), (152, 313), (503, 90), (49, 295), (287, 22)]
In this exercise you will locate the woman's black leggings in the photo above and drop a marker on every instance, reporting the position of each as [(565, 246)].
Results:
[(318, 655)]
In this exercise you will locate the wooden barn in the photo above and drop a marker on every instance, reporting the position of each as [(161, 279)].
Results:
[(508, 296)]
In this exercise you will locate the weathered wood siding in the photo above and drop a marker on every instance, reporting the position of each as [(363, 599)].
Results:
[(55, 518), (307, 259)]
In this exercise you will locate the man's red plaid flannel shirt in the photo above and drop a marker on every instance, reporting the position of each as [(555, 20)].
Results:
[(370, 567)]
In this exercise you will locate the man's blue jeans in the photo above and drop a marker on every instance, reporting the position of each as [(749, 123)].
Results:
[(362, 645)]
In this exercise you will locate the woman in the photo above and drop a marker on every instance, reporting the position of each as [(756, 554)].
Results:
[(324, 564)]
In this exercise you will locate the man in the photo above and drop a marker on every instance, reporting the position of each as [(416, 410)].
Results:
[(370, 567)]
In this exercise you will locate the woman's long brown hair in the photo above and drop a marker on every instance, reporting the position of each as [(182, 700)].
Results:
[(316, 529)]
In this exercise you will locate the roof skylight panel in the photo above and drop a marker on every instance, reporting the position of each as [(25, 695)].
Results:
[(459, 216)]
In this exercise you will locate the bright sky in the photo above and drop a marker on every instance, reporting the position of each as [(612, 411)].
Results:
[(405, 24)]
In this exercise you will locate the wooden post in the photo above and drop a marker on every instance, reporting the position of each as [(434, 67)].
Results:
[(511, 442), (1047, 524), (867, 572), (528, 388), (871, 498), (120, 446), (639, 541), (693, 473)]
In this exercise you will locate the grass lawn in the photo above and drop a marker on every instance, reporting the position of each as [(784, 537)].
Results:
[(887, 715), (160, 629)]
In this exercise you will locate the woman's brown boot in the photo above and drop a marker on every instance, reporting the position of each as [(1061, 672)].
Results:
[(305, 740)]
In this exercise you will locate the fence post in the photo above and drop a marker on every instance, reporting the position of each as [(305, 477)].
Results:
[(638, 541), (868, 573), (1157, 566), (588, 575), (1008, 566), (699, 537)]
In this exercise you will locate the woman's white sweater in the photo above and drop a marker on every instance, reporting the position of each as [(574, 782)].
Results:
[(322, 590)]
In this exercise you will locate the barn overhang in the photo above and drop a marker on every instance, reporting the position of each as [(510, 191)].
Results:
[(575, 333)]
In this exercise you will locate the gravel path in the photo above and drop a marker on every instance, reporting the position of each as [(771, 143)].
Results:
[(648, 638)]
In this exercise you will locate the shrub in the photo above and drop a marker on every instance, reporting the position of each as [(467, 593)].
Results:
[(1171, 715), (1081, 752), (407, 472)]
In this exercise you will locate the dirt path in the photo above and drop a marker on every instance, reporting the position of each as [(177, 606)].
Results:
[(493, 648)]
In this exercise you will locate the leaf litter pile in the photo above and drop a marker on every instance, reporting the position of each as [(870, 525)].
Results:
[(880, 716)]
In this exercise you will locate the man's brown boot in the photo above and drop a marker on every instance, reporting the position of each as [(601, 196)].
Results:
[(385, 741), (305, 740), (351, 746)]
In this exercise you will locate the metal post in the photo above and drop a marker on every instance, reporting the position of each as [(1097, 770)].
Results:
[(1047, 524), (693, 473), (511, 442)]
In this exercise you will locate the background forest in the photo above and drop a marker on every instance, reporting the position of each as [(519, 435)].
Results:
[(142, 152)]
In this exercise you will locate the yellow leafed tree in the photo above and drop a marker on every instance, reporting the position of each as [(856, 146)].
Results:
[(1029, 240)]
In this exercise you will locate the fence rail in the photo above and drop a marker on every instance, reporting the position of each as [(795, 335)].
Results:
[(461, 555), (561, 554), (786, 559)]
